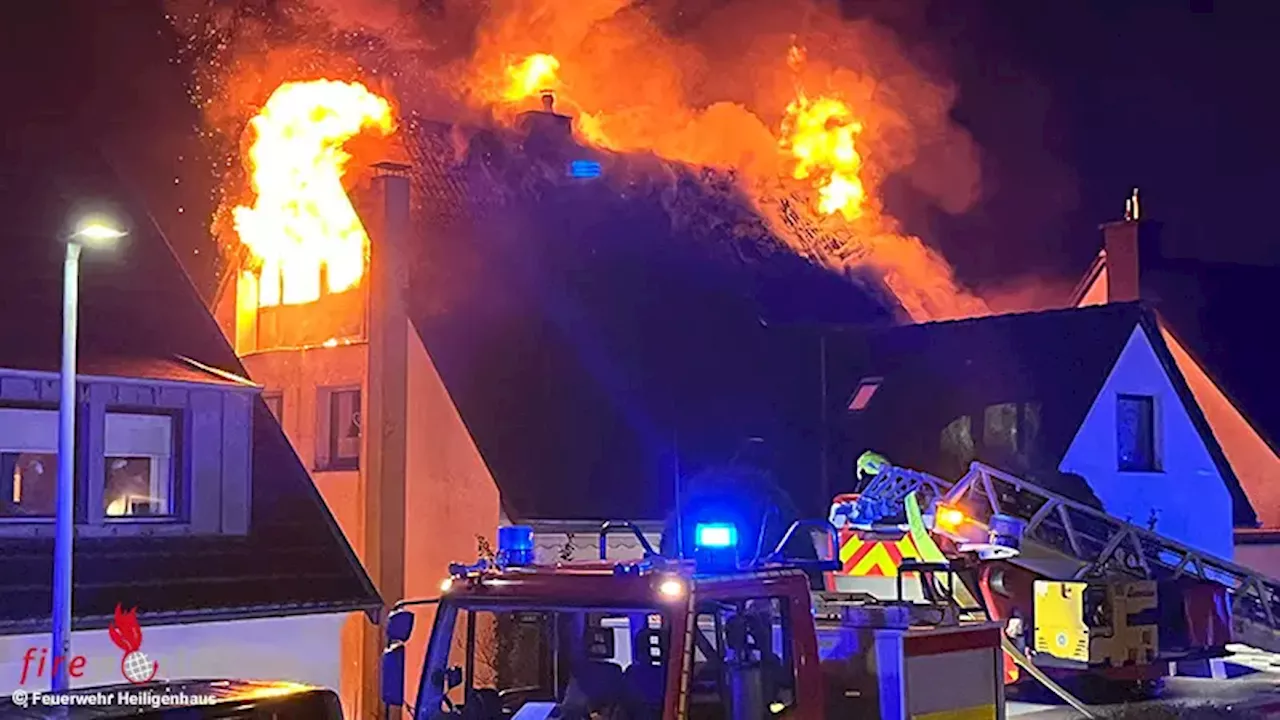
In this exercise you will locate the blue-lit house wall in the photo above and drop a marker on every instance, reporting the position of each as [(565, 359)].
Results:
[(1185, 490)]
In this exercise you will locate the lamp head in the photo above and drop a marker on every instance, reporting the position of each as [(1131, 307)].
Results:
[(97, 232)]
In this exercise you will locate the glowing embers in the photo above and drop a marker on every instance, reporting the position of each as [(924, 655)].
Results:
[(302, 231)]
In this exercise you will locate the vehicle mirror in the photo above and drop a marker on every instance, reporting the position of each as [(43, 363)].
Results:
[(399, 626), (393, 675)]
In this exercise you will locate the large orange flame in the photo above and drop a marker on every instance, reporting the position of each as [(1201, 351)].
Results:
[(828, 213), (532, 75), (302, 226), (820, 136)]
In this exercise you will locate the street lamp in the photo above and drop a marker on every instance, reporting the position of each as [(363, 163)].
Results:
[(93, 233)]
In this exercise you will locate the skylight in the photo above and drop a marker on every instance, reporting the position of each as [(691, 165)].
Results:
[(862, 396)]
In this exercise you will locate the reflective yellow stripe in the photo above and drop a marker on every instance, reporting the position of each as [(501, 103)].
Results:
[(977, 712)]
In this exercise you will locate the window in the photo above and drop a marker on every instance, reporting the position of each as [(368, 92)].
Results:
[(1011, 428), (1136, 433), (738, 644), (28, 462), (139, 466), (862, 395), (275, 403), (957, 445), (340, 429), (592, 661)]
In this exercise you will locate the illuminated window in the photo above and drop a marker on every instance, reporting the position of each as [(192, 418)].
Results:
[(340, 429), (275, 403), (862, 395), (1136, 433), (28, 462), (138, 481)]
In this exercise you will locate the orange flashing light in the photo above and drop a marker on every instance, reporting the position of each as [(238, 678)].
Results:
[(949, 518)]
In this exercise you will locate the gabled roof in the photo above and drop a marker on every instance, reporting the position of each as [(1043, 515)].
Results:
[(150, 369), (935, 372), (137, 302), (1220, 312), (586, 329)]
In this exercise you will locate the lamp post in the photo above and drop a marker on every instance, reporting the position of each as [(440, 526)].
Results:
[(94, 234)]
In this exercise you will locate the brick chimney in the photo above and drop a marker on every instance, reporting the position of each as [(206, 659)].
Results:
[(546, 131), (1132, 246), (385, 418)]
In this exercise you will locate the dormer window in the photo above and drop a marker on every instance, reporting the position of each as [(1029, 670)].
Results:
[(862, 395), (158, 457)]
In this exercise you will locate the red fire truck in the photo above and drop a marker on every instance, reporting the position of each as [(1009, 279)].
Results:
[(710, 637), (1086, 596)]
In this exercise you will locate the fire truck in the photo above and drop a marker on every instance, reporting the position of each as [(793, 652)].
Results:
[(935, 595), (711, 636), (1086, 596)]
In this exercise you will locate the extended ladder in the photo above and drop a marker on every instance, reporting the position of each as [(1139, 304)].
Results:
[(1099, 545)]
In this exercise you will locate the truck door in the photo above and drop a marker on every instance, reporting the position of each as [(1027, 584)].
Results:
[(743, 660)]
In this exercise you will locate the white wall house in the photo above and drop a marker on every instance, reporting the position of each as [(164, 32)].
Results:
[(193, 511), (1192, 297), (1086, 402), (1146, 460)]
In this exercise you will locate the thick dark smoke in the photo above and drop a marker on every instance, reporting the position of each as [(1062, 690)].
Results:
[(704, 83)]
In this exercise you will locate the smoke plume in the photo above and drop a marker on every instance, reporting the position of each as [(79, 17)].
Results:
[(697, 82)]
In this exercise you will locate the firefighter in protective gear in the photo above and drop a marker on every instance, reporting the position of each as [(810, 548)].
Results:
[(870, 464)]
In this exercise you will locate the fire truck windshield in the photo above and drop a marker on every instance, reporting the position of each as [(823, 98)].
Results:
[(533, 661)]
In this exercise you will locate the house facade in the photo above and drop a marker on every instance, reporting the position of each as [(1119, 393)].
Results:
[(166, 467), (1204, 310), (1087, 402), (191, 507), (350, 382)]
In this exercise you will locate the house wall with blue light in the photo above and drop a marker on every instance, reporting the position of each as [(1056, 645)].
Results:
[(1145, 459)]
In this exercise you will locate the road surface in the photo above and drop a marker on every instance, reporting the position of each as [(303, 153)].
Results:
[(1254, 687)]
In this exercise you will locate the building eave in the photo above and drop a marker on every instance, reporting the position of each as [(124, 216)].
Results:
[(238, 384), (1244, 514)]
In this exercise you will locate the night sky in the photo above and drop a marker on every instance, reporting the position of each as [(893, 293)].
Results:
[(1071, 101)]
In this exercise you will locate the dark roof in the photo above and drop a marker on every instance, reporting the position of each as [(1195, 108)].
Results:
[(936, 372), (586, 328), (137, 302)]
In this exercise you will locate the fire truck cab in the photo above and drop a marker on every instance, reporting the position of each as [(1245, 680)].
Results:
[(711, 638)]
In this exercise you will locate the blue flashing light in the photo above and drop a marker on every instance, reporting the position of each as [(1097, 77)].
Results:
[(716, 535), (515, 545), (584, 169)]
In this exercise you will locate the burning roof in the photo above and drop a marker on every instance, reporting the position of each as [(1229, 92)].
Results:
[(731, 167), (582, 326)]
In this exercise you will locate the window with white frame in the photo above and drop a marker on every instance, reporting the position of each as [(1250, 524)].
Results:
[(28, 462), (339, 429), (139, 466)]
